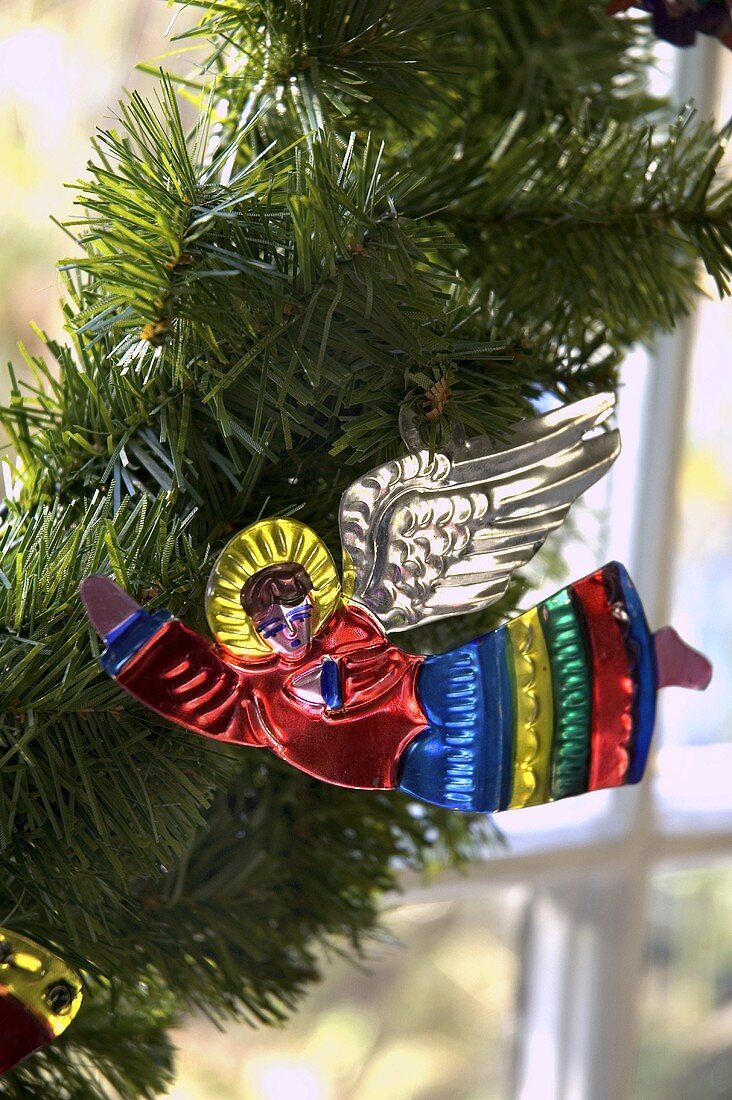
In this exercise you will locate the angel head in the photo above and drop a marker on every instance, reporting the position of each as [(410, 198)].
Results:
[(272, 589), (277, 599)]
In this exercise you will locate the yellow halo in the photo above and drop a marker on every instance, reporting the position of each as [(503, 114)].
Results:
[(266, 543)]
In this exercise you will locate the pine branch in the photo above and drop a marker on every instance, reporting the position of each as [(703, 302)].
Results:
[(551, 57), (320, 61), (346, 297), (392, 66), (241, 923), (64, 724), (527, 60), (160, 231), (550, 220)]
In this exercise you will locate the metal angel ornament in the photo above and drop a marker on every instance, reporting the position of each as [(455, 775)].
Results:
[(39, 997), (556, 702)]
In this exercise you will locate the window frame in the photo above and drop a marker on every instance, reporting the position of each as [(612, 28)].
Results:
[(588, 876)]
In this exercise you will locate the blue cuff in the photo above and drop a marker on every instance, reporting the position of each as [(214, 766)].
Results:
[(130, 636), (330, 684)]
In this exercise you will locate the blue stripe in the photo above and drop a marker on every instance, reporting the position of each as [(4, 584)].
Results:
[(463, 761), (644, 673), (126, 640)]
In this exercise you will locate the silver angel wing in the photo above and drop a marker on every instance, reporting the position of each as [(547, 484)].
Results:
[(433, 537)]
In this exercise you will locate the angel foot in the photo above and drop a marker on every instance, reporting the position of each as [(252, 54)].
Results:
[(678, 664)]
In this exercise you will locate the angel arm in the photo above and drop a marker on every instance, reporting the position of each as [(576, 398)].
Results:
[(371, 672), (168, 667)]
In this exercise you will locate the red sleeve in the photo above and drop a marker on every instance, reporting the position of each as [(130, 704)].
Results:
[(371, 666), (180, 675)]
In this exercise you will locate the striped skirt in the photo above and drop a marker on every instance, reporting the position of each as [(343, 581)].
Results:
[(557, 702)]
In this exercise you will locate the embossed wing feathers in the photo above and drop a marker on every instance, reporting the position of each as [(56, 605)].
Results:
[(433, 537)]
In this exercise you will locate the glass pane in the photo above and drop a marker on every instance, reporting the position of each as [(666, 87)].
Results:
[(62, 70), (431, 1015), (702, 606), (695, 757), (703, 590), (686, 1017)]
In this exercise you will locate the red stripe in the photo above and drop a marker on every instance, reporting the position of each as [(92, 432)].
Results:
[(612, 686)]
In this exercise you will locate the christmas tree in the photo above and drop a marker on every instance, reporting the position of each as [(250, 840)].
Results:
[(443, 209)]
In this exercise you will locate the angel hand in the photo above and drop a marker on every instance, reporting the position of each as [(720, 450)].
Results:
[(321, 685)]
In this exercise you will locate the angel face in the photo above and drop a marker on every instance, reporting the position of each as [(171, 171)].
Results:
[(287, 629), (278, 601)]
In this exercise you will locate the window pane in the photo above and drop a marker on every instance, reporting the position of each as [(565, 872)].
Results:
[(702, 606), (430, 1016), (62, 70), (695, 731), (686, 1019)]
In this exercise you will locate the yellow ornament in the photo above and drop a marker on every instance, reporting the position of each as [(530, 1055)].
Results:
[(39, 997)]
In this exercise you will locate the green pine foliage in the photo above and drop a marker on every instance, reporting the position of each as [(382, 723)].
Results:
[(380, 207)]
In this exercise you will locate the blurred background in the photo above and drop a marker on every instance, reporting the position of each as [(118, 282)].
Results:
[(591, 956)]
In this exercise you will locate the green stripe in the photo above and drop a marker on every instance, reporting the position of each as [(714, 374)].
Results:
[(572, 695)]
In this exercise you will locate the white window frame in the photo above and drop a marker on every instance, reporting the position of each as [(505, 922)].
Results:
[(589, 869)]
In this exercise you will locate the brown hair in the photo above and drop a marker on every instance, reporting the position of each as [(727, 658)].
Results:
[(287, 583)]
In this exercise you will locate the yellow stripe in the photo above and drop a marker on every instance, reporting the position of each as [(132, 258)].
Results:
[(532, 683)]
